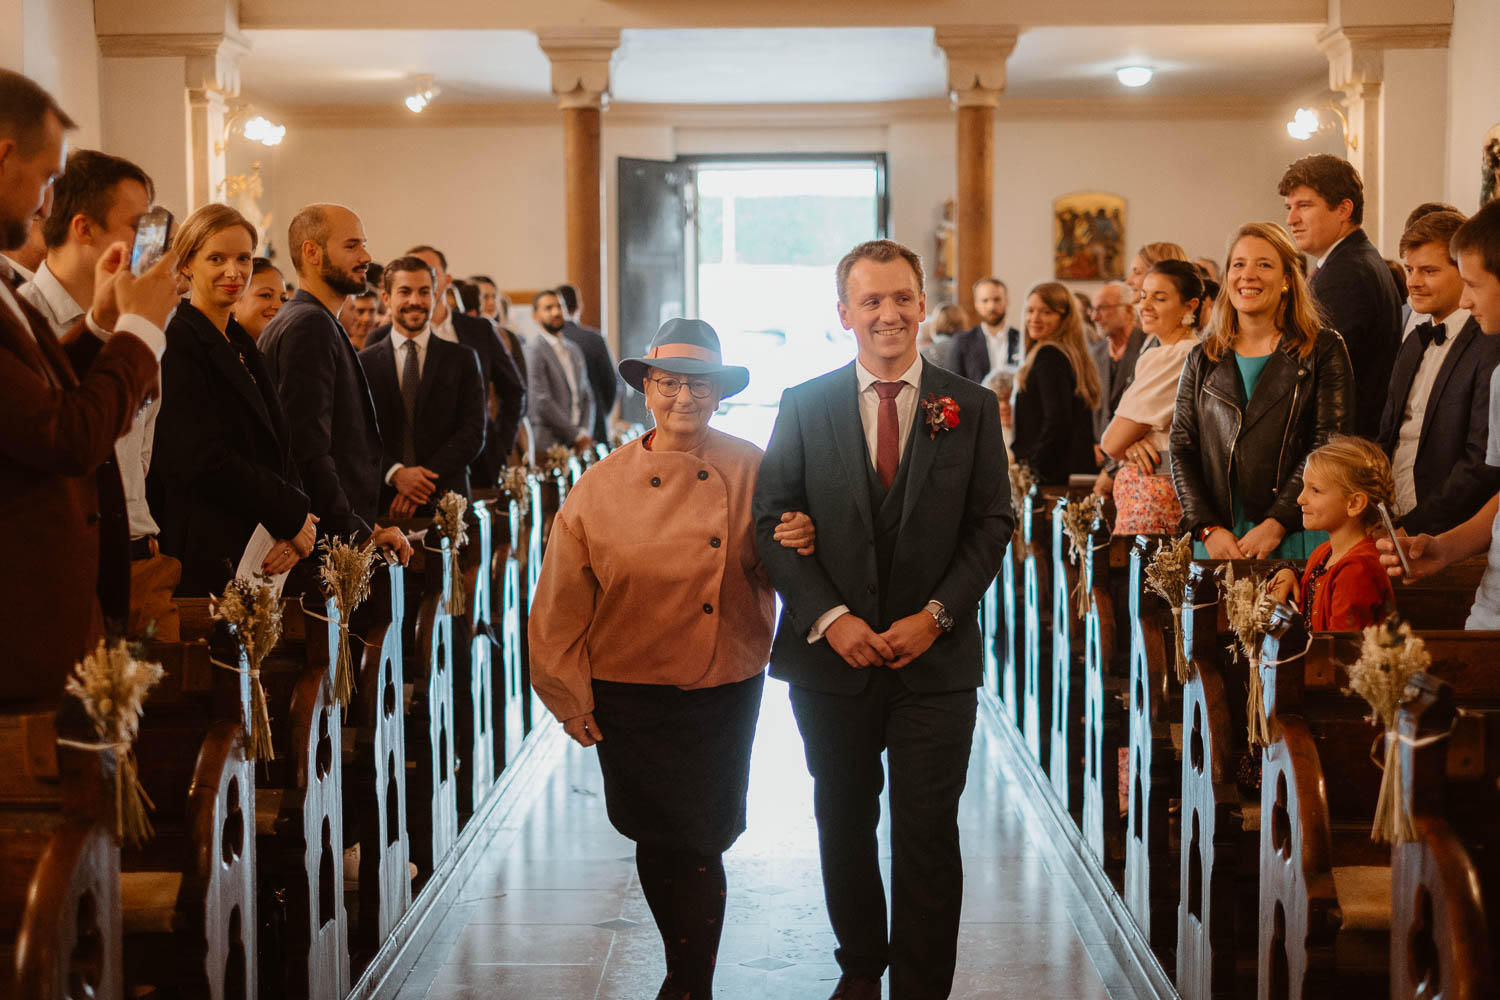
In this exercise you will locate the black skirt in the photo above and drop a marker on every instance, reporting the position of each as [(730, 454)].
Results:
[(676, 763)]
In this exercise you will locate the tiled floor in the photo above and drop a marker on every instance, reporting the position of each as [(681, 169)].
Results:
[(555, 910)]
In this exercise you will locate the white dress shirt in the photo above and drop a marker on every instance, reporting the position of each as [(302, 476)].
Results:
[(1403, 462), (997, 342), (22, 274), (1327, 253), (444, 330), (869, 418), (133, 451)]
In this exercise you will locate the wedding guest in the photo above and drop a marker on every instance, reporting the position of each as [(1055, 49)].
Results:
[(357, 315), (1086, 313), (1056, 388), (1174, 301), (504, 392), (429, 396), (1116, 351), (603, 382), (991, 344), (1476, 247), (489, 297), (97, 203), (1267, 385), (1435, 427), (625, 653), (224, 453), (1143, 260), (1351, 283), (26, 258), (562, 403), (330, 417), (948, 323), (1209, 267), (262, 299), (62, 407), (1344, 588)]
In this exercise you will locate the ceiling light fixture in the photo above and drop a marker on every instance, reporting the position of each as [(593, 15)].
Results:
[(1134, 76), (423, 95), (1307, 123), (256, 129)]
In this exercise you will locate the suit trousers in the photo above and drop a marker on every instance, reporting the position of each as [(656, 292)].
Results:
[(927, 737)]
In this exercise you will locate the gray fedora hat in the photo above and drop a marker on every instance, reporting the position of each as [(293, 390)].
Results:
[(686, 347)]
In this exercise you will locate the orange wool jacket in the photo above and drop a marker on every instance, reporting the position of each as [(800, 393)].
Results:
[(651, 576)]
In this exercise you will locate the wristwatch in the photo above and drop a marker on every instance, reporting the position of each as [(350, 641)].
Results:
[(1203, 533), (940, 615)]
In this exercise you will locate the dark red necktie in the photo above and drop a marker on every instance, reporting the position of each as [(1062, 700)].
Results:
[(887, 451)]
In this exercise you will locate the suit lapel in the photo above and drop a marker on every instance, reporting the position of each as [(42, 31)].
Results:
[(223, 355), (52, 366), (382, 376), (921, 444), (431, 371), (1408, 360), (849, 440), (1450, 364)]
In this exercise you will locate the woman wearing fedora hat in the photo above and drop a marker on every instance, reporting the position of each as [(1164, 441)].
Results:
[(650, 632)]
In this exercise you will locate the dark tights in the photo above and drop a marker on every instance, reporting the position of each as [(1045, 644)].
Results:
[(686, 894)]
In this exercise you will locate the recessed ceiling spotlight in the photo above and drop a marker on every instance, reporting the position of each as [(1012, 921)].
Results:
[(1134, 76), (423, 94)]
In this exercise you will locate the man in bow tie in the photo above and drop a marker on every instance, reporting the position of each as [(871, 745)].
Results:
[(902, 466), (1435, 426)]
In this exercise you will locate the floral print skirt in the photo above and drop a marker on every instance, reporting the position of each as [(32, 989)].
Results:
[(1145, 505)]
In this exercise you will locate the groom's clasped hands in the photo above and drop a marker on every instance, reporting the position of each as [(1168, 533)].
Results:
[(861, 646)]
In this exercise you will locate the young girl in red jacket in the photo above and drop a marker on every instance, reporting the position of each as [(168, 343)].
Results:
[(1344, 587)]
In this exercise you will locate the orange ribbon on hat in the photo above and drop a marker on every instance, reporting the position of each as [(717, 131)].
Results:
[(685, 351)]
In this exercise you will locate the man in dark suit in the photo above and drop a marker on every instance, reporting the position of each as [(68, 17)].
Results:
[(61, 410), (334, 430), (1435, 427), (976, 352), (429, 396), (902, 467), (503, 390), (1325, 206), (603, 379)]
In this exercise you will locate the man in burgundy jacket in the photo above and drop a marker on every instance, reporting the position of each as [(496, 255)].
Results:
[(62, 405)]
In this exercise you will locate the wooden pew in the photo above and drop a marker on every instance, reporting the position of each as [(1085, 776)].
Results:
[(375, 772), (1066, 728), (511, 693), (548, 489), (1106, 722), (1325, 896), (1444, 942), (1035, 524), (427, 668), (1009, 628), (474, 648)]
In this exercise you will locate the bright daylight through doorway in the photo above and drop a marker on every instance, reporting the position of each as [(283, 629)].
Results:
[(769, 236)]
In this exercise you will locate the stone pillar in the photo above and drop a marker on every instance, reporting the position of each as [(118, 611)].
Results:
[(580, 79), (976, 78), (1377, 70), (164, 103)]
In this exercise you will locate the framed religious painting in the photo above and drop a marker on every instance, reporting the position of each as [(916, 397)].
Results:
[(1088, 237), (1489, 183)]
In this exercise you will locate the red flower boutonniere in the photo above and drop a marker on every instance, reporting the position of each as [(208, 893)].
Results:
[(942, 414)]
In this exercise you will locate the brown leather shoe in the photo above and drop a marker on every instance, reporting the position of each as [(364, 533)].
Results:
[(856, 988)]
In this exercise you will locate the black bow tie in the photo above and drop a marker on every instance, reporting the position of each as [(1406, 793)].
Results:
[(1431, 333)]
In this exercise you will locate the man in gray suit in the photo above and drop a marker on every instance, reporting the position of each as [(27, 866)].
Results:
[(561, 402), (901, 465)]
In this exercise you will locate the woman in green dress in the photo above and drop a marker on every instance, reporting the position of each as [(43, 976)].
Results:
[(1268, 384)]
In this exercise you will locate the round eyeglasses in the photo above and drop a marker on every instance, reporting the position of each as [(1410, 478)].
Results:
[(701, 388)]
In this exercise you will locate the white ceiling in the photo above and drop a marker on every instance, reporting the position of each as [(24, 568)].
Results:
[(779, 65)]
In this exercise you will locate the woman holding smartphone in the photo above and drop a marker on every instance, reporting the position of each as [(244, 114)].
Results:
[(223, 460)]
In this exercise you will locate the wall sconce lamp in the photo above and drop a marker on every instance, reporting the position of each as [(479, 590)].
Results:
[(423, 95), (257, 129), (1307, 122)]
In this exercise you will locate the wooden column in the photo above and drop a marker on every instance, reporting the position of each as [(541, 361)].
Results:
[(976, 77), (581, 167), (580, 79), (976, 189)]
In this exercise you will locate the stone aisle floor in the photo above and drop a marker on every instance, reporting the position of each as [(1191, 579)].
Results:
[(555, 911)]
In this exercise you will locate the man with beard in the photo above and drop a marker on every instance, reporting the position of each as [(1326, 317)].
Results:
[(429, 395), (990, 345), (357, 317), (504, 391), (604, 382), (562, 405), (334, 430)]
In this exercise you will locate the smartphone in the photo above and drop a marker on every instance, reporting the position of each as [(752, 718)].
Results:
[(1390, 529), (153, 234)]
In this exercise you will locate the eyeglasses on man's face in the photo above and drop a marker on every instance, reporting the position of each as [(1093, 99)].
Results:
[(701, 388)]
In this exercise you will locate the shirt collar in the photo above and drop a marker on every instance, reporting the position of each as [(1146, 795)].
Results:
[(59, 301), (912, 376), (1455, 321), (22, 275), (994, 331), (420, 340), (445, 327), (1329, 252)]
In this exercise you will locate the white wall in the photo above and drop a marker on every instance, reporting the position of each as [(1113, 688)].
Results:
[(1473, 94), (52, 41)]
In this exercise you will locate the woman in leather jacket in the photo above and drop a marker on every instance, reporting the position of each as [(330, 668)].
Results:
[(1267, 386)]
